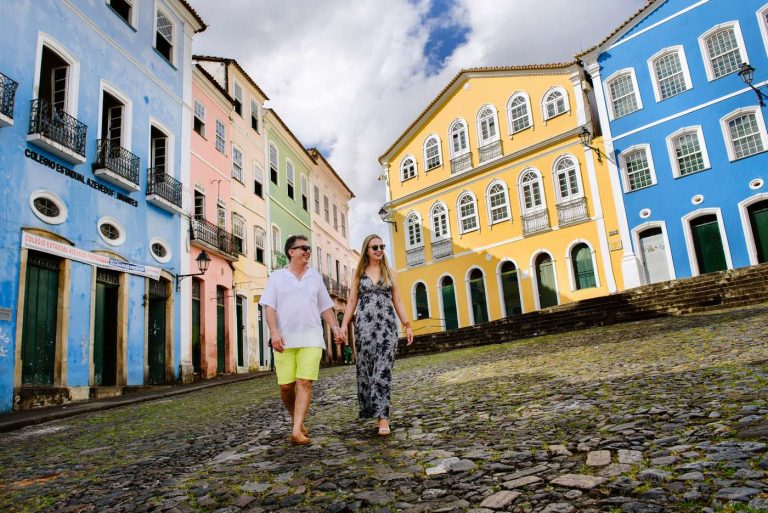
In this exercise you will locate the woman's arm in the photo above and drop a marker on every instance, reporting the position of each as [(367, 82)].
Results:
[(400, 309), (349, 310)]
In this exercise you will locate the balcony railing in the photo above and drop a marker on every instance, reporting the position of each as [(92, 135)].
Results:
[(414, 256), (7, 98), (279, 260), (163, 186), (116, 164), (215, 238), (335, 288), (490, 151), (573, 211), (461, 163), (442, 248), (53, 124), (535, 222)]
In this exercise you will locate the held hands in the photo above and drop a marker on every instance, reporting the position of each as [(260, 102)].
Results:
[(340, 335), (409, 334), (278, 344)]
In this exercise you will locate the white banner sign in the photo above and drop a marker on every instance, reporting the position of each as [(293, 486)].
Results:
[(52, 247)]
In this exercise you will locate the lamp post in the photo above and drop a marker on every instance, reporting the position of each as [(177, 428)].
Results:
[(747, 74), (387, 217), (586, 138), (203, 261)]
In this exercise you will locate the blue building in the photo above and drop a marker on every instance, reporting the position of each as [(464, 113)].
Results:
[(686, 135), (94, 152)]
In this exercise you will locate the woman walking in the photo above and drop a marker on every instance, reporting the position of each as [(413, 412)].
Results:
[(375, 294)]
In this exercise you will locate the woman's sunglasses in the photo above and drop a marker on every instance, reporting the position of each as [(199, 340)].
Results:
[(304, 247), (376, 247)]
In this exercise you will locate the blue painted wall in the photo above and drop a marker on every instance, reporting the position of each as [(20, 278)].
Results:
[(110, 50), (725, 183)]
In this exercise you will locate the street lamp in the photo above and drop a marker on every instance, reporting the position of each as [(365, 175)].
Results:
[(387, 217), (203, 261), (586, 138), (747, 74)]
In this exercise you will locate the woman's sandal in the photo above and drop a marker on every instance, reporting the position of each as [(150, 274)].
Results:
[(300, 441), (384, 431)]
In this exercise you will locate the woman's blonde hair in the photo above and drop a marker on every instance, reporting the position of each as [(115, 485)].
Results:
[(384, 272)]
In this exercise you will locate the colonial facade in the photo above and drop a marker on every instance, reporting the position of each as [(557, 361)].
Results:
[(496, 207), (95, 146), (686, 135), (332, 257), (247, 213)]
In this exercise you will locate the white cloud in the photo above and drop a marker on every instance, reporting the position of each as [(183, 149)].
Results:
[(351, 76)]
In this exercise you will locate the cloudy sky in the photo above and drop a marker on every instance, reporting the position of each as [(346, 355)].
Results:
[(348, 76)]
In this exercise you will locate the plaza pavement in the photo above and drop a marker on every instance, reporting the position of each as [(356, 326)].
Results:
[(658, 416)]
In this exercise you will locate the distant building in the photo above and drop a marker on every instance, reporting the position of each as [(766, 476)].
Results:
[(685, 135)]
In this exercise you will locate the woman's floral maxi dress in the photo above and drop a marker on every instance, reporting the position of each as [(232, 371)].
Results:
[(375, 341)]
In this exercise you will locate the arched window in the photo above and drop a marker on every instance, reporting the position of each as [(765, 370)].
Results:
[(407, 168), (669, 71), (555, 103), (583, 269), (432, 156), (487, 129), (623, 93), (467, 208), (498, 203), (567, 179), (723, 50), (413, 230), (519, 113), (458, 134), (744, 132), (531, 191), (439, 217), (420, 301)]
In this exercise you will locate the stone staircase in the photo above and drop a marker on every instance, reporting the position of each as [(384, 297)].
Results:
[(726, 289)]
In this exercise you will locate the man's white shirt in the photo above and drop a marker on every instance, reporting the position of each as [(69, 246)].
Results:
[(299, 303)]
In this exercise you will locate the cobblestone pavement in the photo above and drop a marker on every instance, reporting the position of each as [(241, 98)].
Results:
[(658, 416)]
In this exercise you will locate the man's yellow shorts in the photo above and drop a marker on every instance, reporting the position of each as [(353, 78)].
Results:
[(301, 363)]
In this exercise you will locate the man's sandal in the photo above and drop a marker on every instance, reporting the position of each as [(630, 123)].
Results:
[(384, 431)]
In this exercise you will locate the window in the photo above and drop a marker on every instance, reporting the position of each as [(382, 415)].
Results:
[(160, 250), (164, 36), (124, 9), (498, 204), (335, 217), (531, 190), (669, 70), (519, 113), (317, 200), (258, 180), (319, 257), (221, 216), (259, 234), (487, 125), (159, 161), (723, 50), (238, 233), (289, 177), (304, 193), (328, 260), (48, 207), (57, 87), (220, 136), (567, 179), (111, 231), (432, 157), (458, 134), (255, 115), (343, 224), (637, 168), (407, 168), (237, 95), (555, 103), (112, 116), (199, 121), (687, 152), (439, 216), (467, 213), (326, 210), (622, 91), (273, 163), (420, 301), (582, 267), (744, 133), (237, 164), (199, 205), (413, 231)]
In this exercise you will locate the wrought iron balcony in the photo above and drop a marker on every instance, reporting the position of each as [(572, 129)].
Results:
[(574, 211), (7, 99), (442, 248), (414, 256), (163, 190), (56, 131), (490, 151), (116, 165), (279, 260), (461, 163), (335, 288), (534, 222), (210, 236)]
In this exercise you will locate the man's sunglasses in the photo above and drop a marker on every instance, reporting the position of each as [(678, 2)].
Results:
[(376, 247), (304, 247)]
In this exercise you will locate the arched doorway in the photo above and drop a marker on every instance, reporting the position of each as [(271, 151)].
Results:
[(510, 289), (448, 294), (421, 301), (545, 281), (708, 244), (478, 303), (758, 221), (653, 251), (583, 270), (156, 330)]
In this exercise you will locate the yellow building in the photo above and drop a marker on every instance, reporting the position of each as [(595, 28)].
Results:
[(497, 206)]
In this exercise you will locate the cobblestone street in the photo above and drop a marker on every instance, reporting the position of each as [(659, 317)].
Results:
[(658, 416)]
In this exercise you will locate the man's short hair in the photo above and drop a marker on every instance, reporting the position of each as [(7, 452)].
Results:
[(290, 241)]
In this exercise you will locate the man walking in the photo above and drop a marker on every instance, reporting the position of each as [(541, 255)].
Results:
[(294, 299)]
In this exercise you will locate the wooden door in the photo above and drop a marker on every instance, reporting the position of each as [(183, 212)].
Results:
[(653, 251), (156, 325), (41, 299), (545, 278), (758, 220), (196, 350), (240, 331), (510, 290), (708, 244), (220, 331), (450, 313), (105, 329)]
